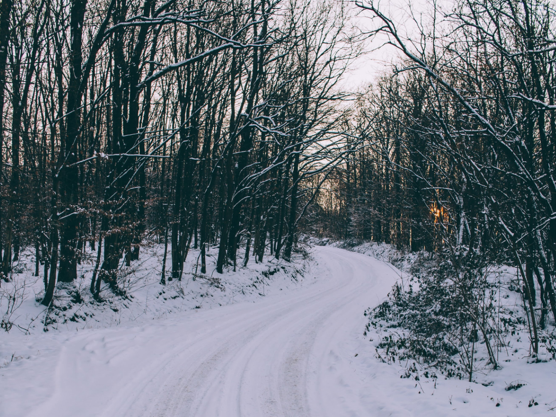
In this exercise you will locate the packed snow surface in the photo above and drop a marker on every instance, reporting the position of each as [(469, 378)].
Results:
[(297, 352)]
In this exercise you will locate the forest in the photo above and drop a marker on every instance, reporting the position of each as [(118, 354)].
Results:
[(191, 123), (225, 126)]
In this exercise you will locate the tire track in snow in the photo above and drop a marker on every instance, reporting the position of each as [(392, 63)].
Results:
[(277, 357)]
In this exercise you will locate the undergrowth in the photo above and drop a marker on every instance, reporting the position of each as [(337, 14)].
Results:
[(456, 318)]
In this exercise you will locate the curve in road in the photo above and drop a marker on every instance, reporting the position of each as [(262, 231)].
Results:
[(287, 355)]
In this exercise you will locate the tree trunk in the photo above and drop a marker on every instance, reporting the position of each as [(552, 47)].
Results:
[(69, 174), (5, 11)]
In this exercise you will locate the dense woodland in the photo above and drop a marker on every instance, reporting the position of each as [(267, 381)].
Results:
[(222, 125), (454, 153), (197, 124)]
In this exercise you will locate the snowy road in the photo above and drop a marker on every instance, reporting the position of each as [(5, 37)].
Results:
[(287, 355)]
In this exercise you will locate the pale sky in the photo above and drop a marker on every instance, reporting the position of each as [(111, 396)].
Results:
[(378, 59)]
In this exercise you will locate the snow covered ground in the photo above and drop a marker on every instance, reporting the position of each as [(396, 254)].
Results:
[(281, 348)]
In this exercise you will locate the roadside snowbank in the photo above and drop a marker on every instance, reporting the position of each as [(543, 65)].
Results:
[(523, 384), (74, 308)]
